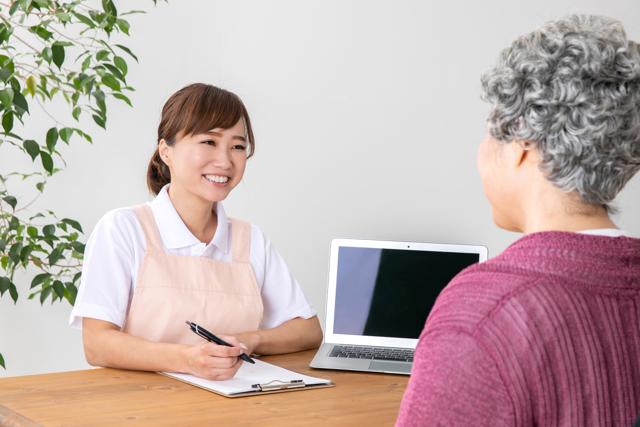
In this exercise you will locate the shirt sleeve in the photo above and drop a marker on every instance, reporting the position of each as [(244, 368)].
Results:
[(282, 296), (454, 382), (107, 269)]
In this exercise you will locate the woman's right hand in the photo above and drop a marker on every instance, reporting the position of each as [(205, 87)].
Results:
[(212, 361)]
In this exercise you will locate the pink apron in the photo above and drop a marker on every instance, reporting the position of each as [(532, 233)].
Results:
[(223, 297)]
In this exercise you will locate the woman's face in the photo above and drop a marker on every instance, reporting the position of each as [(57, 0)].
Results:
[(208, 165), (498, 181)]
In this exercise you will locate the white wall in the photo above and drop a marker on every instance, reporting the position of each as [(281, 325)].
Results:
[(367, 117)]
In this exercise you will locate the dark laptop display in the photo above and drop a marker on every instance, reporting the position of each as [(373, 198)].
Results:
[(389, 292)]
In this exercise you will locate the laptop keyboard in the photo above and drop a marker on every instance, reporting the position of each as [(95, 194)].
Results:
[(372, 353)]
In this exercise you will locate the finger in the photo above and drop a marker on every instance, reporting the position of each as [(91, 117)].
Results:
[(232, 340), (220, 362), (225, 374), (236, 343), (212, 349)]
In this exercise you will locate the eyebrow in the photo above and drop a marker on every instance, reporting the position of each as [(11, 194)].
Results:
[(238, 137)]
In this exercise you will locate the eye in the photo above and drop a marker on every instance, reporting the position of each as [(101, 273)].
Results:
[(208, 142), (240, 147)]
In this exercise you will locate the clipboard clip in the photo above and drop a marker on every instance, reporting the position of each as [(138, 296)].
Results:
[(278, 385)]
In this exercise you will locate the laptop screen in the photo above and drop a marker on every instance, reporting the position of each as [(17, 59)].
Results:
[(389, 292)]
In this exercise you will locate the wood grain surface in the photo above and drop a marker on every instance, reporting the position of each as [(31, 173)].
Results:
[(113, 397)]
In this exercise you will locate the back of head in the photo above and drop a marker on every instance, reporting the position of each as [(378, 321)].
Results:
[(573, 89)]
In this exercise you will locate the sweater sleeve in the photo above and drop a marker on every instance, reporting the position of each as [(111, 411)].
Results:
[(454, 382)]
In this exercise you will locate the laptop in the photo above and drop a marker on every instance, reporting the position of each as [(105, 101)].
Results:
[(379, 296)]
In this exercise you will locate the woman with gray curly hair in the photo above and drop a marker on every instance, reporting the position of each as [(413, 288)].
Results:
[(548, 332)]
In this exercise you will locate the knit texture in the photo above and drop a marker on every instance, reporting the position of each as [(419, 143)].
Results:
[(546, 334)]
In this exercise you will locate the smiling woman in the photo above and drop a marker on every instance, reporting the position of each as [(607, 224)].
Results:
[(150, 268)]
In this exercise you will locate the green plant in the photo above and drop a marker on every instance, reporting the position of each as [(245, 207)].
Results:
[(48, 50)]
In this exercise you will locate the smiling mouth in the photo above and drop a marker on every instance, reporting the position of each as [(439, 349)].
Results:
[(216, 179)]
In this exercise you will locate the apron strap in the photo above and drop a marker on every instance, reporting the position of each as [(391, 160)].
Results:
[(150, 228), (240, 240)]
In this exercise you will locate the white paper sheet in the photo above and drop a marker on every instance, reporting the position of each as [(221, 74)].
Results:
[(247, 376)]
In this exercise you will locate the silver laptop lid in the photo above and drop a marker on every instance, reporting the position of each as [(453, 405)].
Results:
[(380, 293)]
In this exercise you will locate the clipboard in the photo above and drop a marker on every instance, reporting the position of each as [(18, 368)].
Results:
[(258, 379)]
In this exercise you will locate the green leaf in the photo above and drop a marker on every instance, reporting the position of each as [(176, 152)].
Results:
[(47, 161), (40, 186), (57, 51), (109, 7), (24, 254), (4, 285), (31, 85), (86, 63), (3, 244), (10, 200), (76, 113), (126, 49), (63, 17), (111, 82), (32, 148), (123, 25), (119, 62), (85, 135), (99, 121), (5, 33), (52, 139), (39, 279), (84, 19), (32, 231), (73, 223), (56, 254), (7, 121), (102, 55), (70, 293), (123, 98), (21, 102), (41, 32), (14, 7), (49, 230), (78, 247), (14, 252), (44, 294), (47, 54), (6, 97), (2, 358), (58, 287), (116, 72), (65, 134), (13, 292)]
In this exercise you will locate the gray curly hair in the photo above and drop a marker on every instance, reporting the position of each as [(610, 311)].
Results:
[(573, 89)]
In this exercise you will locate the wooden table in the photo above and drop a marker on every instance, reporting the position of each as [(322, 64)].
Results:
[(113, 397)]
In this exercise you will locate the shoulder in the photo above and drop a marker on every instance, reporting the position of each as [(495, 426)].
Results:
[(476, 295), (117, 225)]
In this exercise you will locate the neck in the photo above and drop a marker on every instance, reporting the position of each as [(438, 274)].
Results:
[(558, 211), (196, 213)]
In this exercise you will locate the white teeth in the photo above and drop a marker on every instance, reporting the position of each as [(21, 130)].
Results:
[(217, 178)]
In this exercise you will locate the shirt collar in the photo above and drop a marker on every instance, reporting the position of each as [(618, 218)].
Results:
[(173, 231)]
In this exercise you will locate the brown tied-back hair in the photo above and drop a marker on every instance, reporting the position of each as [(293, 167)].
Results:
[(196, 108)]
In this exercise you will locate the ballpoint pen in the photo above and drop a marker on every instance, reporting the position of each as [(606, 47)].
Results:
[(199, 330)]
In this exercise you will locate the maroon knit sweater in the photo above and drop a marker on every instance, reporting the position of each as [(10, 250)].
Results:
[(547, 334)]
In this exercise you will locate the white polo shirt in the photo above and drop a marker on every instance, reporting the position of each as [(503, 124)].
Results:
[(117, 245)]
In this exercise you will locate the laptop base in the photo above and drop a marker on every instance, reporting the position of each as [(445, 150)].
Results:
[(323, 361)]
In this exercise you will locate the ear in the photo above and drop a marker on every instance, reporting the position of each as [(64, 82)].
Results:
[(164, 150), (520, 152)]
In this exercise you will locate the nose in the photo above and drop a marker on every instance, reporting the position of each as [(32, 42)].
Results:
[(222, 159)]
